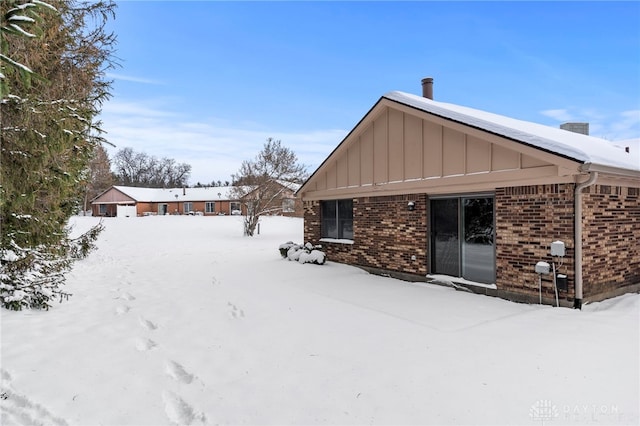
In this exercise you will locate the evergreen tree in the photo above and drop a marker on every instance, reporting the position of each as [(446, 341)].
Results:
[(48, 137)]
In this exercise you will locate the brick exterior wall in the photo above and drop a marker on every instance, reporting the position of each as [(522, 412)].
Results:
[(528, 219), (386, 234), (611, 239)]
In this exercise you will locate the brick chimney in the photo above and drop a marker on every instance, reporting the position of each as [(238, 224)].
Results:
[(427, 88)]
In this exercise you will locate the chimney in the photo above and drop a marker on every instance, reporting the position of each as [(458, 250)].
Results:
[(427, 88), (582, 128)]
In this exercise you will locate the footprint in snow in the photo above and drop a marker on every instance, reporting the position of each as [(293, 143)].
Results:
[(235, 312), (4, 374), (179, 411), (148, 324), (20, 409), (144, 345), (178, 373), (122, 309), (127, 296)]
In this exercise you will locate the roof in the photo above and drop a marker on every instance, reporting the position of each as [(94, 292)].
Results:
[(157, 195), (575, 146), (290, 185)]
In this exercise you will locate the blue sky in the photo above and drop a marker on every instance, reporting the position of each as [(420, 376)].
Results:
[(206, 82)]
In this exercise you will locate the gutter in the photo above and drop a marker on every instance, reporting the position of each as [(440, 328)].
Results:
[(577, 232), (610, 170)]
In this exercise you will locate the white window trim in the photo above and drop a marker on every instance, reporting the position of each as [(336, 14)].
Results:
[(336, 240)]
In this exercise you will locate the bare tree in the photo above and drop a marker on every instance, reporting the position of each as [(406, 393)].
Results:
[(99, 177), (261, 183), (133, 168)]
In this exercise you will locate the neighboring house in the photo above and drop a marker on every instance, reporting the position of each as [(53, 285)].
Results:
[(291, 205), (134, 201), (279, 198), (428, 190)]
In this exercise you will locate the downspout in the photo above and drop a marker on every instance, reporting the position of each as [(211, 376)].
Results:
[(577, 237)]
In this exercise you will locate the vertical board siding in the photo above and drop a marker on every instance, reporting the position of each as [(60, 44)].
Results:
[(504, 159), (432, 136), (380, 148), (342, 177), (396, 146), (353, 165), (478, 155), (413, 142), (453, 154), (367, 156)]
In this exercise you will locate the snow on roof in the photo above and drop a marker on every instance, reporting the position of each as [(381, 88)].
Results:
[(290, 185), (582, 148), (633, 145), (155, 195)]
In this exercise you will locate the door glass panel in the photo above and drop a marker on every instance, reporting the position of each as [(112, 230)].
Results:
[(445, 240), (478, 250)]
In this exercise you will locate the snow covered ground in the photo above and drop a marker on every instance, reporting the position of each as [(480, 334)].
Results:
[(182, 320)]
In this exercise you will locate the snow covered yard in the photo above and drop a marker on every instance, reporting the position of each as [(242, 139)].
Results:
[(182, 320)]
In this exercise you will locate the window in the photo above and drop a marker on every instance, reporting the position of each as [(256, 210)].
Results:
[(210, 207), (337, 219), (289, 205), (188, 207), (235, 207), (103, 209)]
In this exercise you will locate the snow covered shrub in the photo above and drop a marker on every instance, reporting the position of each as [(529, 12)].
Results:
[(80, 247), (307, 253), (284, 248), (294, 252), (314, 256), (31, 277), (34, 277)]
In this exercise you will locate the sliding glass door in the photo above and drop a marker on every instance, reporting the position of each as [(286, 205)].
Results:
[(445, 240), (462, 238), (478, 250)]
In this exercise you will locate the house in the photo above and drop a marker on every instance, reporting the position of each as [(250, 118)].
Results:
[(208, 201), (134, 201), (274, 197), (426, 190)]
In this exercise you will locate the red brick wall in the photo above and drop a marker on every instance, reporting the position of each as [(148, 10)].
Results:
[(312, 221), (528, 219), (611, 238), (386, 234)]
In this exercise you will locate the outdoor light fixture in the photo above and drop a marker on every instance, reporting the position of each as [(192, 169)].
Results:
[(411, 206)]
